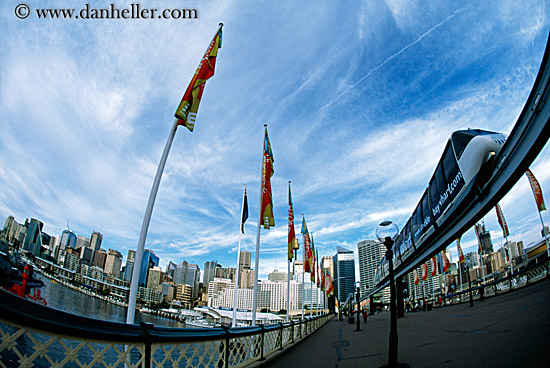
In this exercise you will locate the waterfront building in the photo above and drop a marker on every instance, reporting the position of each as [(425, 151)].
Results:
[(189, 274), (15, 232), (93, 272), (344, 274), (71, 260), (113, 262), (149, 296), (184, 294), (168, 290)]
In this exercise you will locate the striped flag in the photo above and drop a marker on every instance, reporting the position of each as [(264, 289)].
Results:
[(312, 259), (445, 260), (459, 249), (502, 221), (537, 190), (186, 113), (424, 271), (267, 219), (434, 266), (416, 279), (291, 233)]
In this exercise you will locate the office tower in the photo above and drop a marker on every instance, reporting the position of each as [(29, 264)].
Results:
[(246, 278), (82, 242), (189, 274), (99, 258), (113, 263), (33, 237), (154, 278), (370, 253), (149, 261), (244, 260), (278, 276), (344, 274), (129, 268), (485, 239), (95, 240), (68, 240), (170, 268), (209, 271)]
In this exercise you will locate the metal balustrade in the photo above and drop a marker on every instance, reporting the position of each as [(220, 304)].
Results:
[(33, 335)]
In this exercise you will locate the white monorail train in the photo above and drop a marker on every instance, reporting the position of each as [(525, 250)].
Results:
[(455, 176)]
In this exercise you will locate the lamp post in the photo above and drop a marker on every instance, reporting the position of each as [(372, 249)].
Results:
[(358, 308), (468, 262), (386, 233)]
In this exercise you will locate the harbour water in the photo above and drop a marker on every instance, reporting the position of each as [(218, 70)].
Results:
[(72, 301)]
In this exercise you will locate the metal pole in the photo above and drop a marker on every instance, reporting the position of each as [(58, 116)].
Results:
[(288, 292), (358, 310), (130, 314), (392, 356), (234, 320)]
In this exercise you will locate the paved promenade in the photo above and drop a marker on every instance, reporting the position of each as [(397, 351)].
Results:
[(510, 330)]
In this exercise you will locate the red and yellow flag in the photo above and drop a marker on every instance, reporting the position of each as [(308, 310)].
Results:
[(186, 113), (537, 191), (267, 219), (312, 259), (434, 266), (424, 271), (459, 249), (502, 221), (318, 269), (445, 260), (476, 228), (416, 279), (291, 232)]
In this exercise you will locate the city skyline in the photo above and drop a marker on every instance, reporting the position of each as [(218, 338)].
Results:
[(358, 113)]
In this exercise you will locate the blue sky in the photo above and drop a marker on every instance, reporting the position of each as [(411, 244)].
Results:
[(359, 97)]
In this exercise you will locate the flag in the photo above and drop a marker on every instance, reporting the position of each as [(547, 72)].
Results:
[(416, 279), (476, 228), (267, 219), (245, 211), (307, 246), (186, 113), (502, 221), (291, 233), (537, 190), (445, 261), (434, 266), (424, 271), (459, 249), (323, 286), (312, 259), (318, 269)]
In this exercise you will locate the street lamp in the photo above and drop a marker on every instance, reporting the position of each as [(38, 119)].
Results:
[(358, 309), (386, 233), (468, 263)]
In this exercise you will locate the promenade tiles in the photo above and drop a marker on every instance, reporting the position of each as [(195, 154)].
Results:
[(510, 330)]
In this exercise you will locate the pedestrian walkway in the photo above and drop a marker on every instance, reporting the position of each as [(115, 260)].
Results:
[(510, 330)]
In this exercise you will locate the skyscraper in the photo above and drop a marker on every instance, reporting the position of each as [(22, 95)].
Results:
[(113, 262), (370, 253), (33, 238), (344, 274), (209, 272), (95, 240), (149, 261)]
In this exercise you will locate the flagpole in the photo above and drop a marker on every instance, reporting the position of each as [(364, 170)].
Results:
[(257, 264), (130, 314), (288, 291), (544, 236), (303, 272), (234, 321)]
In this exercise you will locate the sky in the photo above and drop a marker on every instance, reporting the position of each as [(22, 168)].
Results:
[(359, 97)]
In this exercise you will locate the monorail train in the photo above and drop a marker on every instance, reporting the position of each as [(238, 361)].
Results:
[(456, 175)]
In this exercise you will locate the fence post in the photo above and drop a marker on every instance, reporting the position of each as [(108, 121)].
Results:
[(281, 327), (292, 331), (148, 331), (263, 337), (226, 350)]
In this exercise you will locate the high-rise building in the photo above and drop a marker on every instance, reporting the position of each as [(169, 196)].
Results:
[(82, 242), (344, 274), (129, 268), (370, 253), (189, 274), (209, 271), (154, 278), (246, 278), (149, 261), (95, 240), (33, 239), (244, 260), (278, 276), (113, 262), (485, 239), (100, 257)]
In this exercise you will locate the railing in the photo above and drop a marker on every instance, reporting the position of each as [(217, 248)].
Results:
[(519, 279), (33, 335)]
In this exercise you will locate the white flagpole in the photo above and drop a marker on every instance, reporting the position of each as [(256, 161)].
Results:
[(288, 292), (257, 264), (303, 271), (234, 321), (130, 314), (544, 236)]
